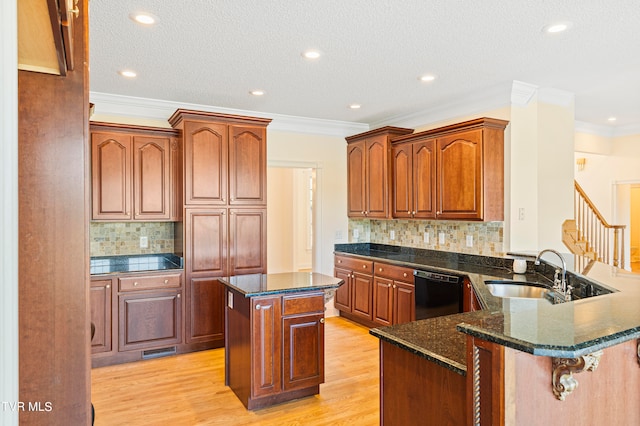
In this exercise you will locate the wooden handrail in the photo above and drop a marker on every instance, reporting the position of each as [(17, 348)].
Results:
[(594, 230)]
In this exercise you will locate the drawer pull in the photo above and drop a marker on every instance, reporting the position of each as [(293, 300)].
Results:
[(339, 261), (258, 307), (380, 269), (135, 283), (364, 266), (404, 275), (321, 320), (166, 281)]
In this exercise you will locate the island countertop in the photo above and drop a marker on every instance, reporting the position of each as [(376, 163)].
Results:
[(252, 285)]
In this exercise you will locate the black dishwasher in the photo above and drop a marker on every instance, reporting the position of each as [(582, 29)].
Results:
[(437, 294)]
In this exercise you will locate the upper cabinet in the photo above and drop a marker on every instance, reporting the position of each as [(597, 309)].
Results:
[(368, 172), (133, 173), (453, 172), (225, 158)]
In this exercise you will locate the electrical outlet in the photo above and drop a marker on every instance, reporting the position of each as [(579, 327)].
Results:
[(144, 242), (392, 234), (441, 238), (356, 234), (426, 237), (230, 300), (521, 213), (469, 240)]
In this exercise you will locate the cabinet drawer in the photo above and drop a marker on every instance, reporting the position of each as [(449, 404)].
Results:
[(398, 273), (292, 305), (147, 282), (354, 264)]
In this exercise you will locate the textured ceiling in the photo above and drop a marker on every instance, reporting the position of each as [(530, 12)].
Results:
[(214, 52)]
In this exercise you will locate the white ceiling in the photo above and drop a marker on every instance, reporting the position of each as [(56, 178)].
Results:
[(213, 52)]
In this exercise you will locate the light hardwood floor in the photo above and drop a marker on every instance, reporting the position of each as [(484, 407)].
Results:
[(189, 389)]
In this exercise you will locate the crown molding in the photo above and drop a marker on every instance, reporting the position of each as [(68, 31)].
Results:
[(607, 131), (522, 93), (156, 109), (480, 102)]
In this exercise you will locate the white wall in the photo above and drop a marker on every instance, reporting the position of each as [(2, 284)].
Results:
[(9, 210), (280, 240)]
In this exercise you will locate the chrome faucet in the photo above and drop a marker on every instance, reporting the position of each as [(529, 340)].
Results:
[(559, 284)]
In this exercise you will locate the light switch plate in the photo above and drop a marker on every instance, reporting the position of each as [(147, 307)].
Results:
[(441, 238), (144, 242), (426, 237), (356, 234), (392, 234), (469, 240)]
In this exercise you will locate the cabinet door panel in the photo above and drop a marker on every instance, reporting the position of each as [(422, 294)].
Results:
[(206, 158), (303, 351), (424, 174), (402, 181), (362, 297), (205, 310), (100, 299), (383, 301), (149, 320), (376, 178), (247, 165), (151, 178), (267, 346), (356, 179), (459, 176), (247, 241), (206, 239), (111, 176), (404, 302), (342, 298)]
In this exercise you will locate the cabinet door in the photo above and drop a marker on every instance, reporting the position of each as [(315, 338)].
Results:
[(100, 299), (404, 302), (382, 301), (376, 180), (459, 179), (303, 351), (206, 241), (247, 165), (402, 205), (423, 178), (362, 296), (266, 346), (111, 176), (149, 319), (470, 301), (205, 310), (356, 202), (205, 159), (151, 178), (342, 298), (247, 241)]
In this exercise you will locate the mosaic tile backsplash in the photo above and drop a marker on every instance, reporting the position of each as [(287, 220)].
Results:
[(120, 238), (487, 237)]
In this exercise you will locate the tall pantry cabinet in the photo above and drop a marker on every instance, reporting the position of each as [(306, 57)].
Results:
[(225, 213)]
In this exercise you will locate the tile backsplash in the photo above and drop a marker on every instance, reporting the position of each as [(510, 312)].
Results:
[(120, 238), (486, 238)]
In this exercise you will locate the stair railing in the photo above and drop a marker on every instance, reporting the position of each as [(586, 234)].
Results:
[(606, 240)]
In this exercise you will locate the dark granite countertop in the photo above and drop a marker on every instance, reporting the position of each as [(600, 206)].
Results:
[(288, 282), (534, 326), (134, 263)]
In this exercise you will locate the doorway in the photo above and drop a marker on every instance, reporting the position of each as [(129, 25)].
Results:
[(291, 219)]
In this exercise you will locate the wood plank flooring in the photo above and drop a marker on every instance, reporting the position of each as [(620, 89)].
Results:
[(189, 389)]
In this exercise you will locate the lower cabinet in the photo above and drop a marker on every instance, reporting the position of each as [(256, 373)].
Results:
[(100, 297), (394, 295), (470, 301), (205, 311), (274, 347)]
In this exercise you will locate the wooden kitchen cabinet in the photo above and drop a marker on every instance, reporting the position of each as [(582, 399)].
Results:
[(470, 301), (275, 347), (394, 294), (247, 241), (464, 163), (413, 184), (100, 298), (132, 173), (354, 298), (368, 172)]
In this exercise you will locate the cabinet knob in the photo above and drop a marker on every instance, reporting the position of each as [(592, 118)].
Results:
[(166, 281), (321, 320), (394, 286), (258, 307), (135, 283), (414, 213), (388, 285), (380, 269), (362, 212), (108, 286), (339, 261), (404, 275), (408, 212), (178, 296)]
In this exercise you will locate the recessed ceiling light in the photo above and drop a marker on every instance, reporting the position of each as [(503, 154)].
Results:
[(611, 119), (427, 77), (143, 18), (311, 54), (355, 106), (558, 27), (257, 92), (128, 73)]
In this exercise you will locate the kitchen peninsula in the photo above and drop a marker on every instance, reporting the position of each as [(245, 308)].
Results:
[(514, 361), (274, 335)]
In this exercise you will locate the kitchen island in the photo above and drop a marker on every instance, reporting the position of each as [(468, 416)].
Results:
[(274, 335), (516, 361)]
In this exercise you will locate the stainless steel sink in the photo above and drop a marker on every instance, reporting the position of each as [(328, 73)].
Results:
[(515, 289)]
